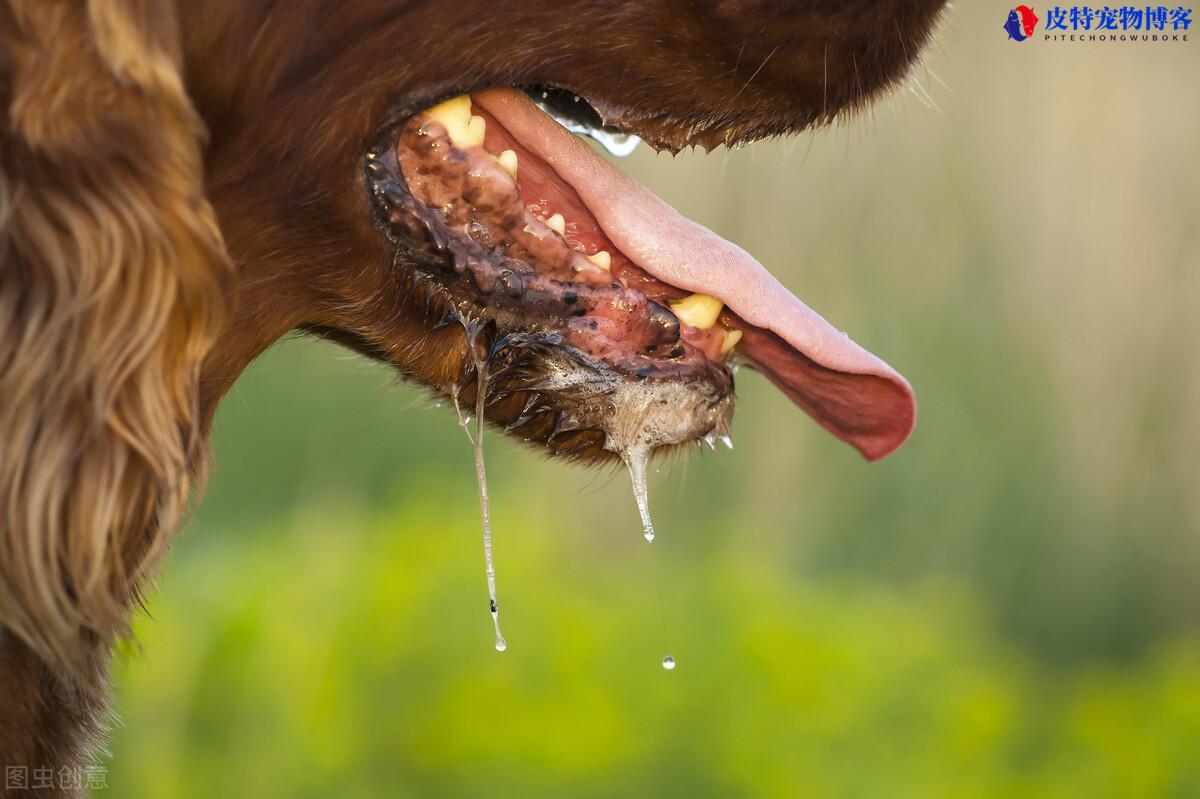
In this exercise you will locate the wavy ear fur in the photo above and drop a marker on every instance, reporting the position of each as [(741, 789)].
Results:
[(114, 281)]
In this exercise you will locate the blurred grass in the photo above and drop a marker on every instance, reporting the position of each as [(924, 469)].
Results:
[(1006, 607), (336, 654)]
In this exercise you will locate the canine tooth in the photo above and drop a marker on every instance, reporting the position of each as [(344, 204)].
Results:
[(455, 116), (557, 224), (732, 337), (456, 109), (476, 127), (508, 160), (698, 310), (601, 259)]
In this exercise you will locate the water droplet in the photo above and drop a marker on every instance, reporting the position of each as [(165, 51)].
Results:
[(669, 663), (635, 459), (501, 644)]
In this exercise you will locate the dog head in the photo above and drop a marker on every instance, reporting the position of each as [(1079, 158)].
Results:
[(366, 204), (355, 196)]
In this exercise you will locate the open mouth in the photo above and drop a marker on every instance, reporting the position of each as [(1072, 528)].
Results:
[(612, 322)]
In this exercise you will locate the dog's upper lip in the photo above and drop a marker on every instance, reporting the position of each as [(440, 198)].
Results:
[(849, 391)]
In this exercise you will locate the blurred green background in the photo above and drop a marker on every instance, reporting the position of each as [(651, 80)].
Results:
[(1005, 607)]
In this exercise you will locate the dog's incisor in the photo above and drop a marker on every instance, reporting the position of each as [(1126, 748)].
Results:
[(182, 184)]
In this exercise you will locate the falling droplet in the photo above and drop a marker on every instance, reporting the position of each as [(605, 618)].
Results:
[(501, 644), (635, 459), (669, 663), (481, 478)]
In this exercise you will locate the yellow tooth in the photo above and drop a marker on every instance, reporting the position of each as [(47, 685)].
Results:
[(698, 310), (456, 109), (601, 259), (454, 115), (732, 337), (508, 160), (557, 224), (476, 127)]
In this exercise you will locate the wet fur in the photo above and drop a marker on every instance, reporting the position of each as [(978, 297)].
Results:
[(181, 186)]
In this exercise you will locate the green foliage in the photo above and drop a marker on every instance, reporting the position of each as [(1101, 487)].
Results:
[(356, 660)]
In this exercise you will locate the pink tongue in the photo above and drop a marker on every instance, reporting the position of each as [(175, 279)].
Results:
[(849, 391)]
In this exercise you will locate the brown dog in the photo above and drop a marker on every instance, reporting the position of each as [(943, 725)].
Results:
[(182, 184)]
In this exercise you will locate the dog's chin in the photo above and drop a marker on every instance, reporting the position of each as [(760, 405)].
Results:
[(597, 320)]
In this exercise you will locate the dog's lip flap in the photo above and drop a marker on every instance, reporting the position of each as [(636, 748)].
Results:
[(852, 393)]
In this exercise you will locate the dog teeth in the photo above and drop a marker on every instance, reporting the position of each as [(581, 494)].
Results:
[(699, 310), (508, 160), (455, 116), (601, 259), (732, 337), (557, 224), (476, 127)]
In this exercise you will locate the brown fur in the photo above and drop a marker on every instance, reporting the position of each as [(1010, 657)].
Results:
[(122, 318)]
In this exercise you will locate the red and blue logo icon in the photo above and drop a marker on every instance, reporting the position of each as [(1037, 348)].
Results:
[(1021, 23)]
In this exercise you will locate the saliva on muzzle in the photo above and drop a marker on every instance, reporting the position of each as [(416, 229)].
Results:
[(609, 360), (636, 418)]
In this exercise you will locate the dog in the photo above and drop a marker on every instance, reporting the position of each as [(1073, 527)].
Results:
[(181, 184)]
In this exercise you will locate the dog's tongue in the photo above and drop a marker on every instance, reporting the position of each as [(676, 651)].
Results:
[(849, 391)]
